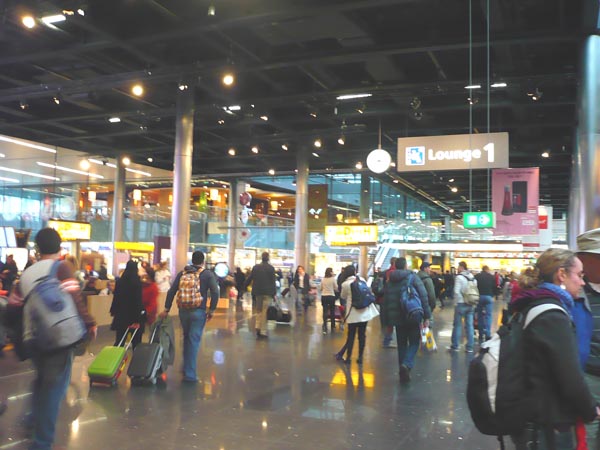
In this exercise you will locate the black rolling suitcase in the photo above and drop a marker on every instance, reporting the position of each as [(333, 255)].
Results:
[(146, 362)]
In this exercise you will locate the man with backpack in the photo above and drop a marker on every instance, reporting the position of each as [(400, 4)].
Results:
[(405, 307), (463, 311), (264, 288), (190, 289), (51, 344)]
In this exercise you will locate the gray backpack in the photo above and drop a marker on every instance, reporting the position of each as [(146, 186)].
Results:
[(50, 317)]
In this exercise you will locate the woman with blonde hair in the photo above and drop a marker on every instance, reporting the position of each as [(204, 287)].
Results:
[(559, 396)]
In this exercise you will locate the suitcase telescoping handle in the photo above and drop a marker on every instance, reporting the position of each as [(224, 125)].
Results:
[(156, 325), (135, 329)]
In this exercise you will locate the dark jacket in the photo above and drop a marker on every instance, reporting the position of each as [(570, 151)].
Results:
[(262, 278), (593, 362), (127, 307), (559, 393), (429, 287), (486, 283), (208, 282), (397, 281), (307, 283)]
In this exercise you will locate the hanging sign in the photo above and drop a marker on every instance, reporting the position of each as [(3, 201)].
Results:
[(359, 234), (70, 230)]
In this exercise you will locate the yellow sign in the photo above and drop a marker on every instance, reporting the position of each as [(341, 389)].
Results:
[(135, 246), (360, 234), (71, 231)]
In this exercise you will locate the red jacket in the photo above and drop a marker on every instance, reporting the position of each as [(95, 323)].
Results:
[(149, 300)]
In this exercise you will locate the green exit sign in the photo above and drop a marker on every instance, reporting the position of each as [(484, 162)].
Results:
[(486, 219)]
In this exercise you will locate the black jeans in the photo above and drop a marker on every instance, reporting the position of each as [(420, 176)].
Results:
[(362, 338), (328, 302)]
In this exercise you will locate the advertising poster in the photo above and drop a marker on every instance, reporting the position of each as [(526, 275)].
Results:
[(317, 208), (515, 200)]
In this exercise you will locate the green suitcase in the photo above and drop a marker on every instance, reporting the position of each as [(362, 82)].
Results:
[(110, 362)]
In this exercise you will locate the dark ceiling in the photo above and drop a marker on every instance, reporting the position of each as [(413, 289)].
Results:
[(291, 59)]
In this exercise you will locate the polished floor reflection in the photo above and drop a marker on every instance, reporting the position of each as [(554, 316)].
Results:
[(287, 392)]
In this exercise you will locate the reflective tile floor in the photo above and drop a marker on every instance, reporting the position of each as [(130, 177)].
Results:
[(287, 392)]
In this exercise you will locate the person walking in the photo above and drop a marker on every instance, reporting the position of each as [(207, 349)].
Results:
[(486, 283), (127, 308), (424, 275), (408, 332), (162, 277), (240, 279), (329, 290), (302, 285), (356, 319), (53, 368), (463, 312), (150, 295), (262, 278), (190, 289)]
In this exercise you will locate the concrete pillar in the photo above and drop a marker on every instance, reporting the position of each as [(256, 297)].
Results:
[(301, 237), (365, 205), (182, 177), (232, 223), (117, 212), (584, 206)]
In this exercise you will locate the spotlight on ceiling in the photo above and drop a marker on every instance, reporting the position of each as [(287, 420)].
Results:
[(359, 165), (28, 21), (231, 151), (271, 171), (23, 105), (228, 79), (546, 155), (473, 86), (498, 85), (126, 161), (472, 100), (415, 103), (56, 99), (284, 147), (341, 140), (84, 164), (114, 119), (150, 159), (454, 189), (182, 87), (137, 90), (536, 94), (317, 143), (265, 118), (255, 149), (212, 10)]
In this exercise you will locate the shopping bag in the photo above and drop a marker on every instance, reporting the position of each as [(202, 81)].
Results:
[(427, 340)]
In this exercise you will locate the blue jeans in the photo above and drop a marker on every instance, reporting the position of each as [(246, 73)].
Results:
[(49, 389), (192, 324), (462, 311), (408, 336), (484, 317)]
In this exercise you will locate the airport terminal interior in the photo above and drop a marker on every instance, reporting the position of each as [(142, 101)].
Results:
[(327, 133)]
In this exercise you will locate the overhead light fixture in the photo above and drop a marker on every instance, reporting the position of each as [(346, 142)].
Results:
[(139, 172), (451, 180), (352, 96), (415, 103), (265, 118), (56, 99), (114, 119), (284, 147), (56, 18), (317, 143), (182, 87), (10, 180), (451, 211), (31, 174), (23, 105), (379, 160), (126, 161), (27, 144), (67, 169), (313, 115), (454, 189), (396, 181), (81, 12), (28, 21), (473, 86), (137, 90), (418, 115), (360, 111), (211, 10), (85, 164), (536, 94), (472, 100), (546, 155), (271, 172), (231, 151), (316, 155), (359, 165), (498, 85), (255, 149), (150, 159), (234, 107), (221, 122), (341, 140), (228, 79)]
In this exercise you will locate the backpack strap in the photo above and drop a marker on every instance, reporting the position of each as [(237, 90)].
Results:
[(540, 309)]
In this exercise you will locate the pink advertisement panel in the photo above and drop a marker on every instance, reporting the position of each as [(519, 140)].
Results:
[(515, 200)]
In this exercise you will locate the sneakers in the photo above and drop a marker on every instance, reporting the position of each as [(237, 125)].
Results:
[(404, 374), (339, 357), (324, 329), (260, 336), (452, 349), (469, 350), (389, 345)]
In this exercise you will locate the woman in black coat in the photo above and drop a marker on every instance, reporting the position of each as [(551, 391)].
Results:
[(127, 308)]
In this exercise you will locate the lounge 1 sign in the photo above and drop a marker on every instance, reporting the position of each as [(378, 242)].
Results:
[(453, 152), (486, 219)]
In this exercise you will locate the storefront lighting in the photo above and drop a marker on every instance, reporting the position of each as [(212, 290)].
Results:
[(214, 194), (274, 205), (137, 195), (114, 119), (28, 22), (67, 169), (137, 90), (92, 196)]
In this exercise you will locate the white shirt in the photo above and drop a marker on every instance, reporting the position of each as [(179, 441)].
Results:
[(329, 286)]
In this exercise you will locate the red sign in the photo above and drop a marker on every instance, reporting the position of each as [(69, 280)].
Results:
[(543, 221)]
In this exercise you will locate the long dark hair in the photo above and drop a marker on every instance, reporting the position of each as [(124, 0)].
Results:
[(328, 272), (130, 274)]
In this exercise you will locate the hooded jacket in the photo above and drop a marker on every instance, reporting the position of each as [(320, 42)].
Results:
[(460, 284), (396, 283), (558, 391)]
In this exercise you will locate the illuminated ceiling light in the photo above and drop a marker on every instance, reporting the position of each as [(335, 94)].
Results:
[(150, 159), (2, 155), (379, 160), (137, 90), (271, 172), (451, 211), (454, 189), (231, 151), (67, 169), (341, 140), (415, 103), (545, 155), (56, 99), (228, 79), (393, 164), (221, 122), (265, 118), (352, 96), (23, 105), (314, 115), (360, 111), (234, 108), (182, 87), (316, 155), (81, 12), (84, 164), (536, 94), (451, 180), (49, 20), (472, 100), (114, 119), (359, 165), (28, 21), (498, 85), (10, 180), (255, 149), (284, 147), (212, 10), (473, 86), (396, 181), (318, 143), (31, 174), (139, 172), (26, 144), (126, 161)]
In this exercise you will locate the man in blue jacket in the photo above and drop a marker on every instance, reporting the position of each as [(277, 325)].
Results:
[(193, 319)]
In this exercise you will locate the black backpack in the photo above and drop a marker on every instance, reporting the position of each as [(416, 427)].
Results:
[(497, 383), (377, 285), (362, 296)]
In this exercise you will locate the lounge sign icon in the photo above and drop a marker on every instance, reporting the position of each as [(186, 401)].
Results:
[(486, 219), (453, 152)]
